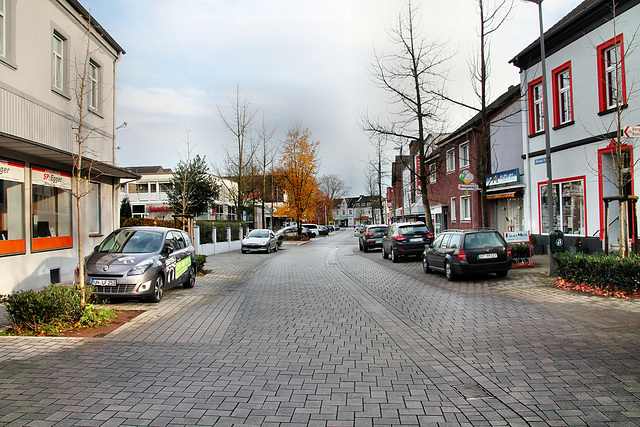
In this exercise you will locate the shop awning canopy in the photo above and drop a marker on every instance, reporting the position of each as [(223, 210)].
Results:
[(37, 151)]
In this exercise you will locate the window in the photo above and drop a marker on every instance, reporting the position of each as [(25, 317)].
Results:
[(3, 28), (94, 208), (59, 44), (432, 173), (569, 213), (152, 187), (50, 210), (94, 86), (451, 160), (143, 188), (536, 109), (464, 155), (453, 209), (11, 208), (465, 208), (165, 187), (562, 95), (611, 74)]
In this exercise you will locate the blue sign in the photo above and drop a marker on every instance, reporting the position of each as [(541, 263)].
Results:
[(504, 177), (540, 161)]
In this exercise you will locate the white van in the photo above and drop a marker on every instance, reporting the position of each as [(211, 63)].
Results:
[(313, 228)]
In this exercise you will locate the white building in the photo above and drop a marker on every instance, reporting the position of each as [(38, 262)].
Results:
[(589, 60), (42, 45), (148, 195)]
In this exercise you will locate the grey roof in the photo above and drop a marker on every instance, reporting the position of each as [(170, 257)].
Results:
[(141, 170)]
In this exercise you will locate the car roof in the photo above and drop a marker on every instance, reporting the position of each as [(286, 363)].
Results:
[(471, 230), (149, 228)]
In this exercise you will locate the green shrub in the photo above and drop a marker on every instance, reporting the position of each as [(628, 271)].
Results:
[(608, 272), (52, 310), (520, 250), (221, 230), (206, 227), (200, 260)]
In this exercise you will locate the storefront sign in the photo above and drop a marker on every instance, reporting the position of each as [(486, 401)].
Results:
[(516, 236), (11, 172), (504, 177), (50, 178), (467, 178)]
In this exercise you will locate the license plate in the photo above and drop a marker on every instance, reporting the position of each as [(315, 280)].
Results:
[(103, 282), (417, 239), (487, 256)]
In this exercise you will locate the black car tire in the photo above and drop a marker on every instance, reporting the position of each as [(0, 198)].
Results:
[(243, 251), (268, 248), (360, 246), (448, 271), (394, 256), (425, 265), (158, 290), (275, 249), (502, 273), (384, 254), (191, 278), (365, 248)]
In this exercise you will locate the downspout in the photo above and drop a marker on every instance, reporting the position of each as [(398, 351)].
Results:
[(115, 188)]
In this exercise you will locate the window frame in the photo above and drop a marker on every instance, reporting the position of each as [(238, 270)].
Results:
[(464, 148), (559, 183), (3, 28), (604, 89), (59, 83), (12, 238), (450, 160), (61, 182), (536, 121), (453, 209), (432, 173), (95, 218), (561, 94), (465, 201), (94, 92)]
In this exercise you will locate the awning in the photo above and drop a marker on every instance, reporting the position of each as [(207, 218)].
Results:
[(501, 196), (505, 189), (45, 153)]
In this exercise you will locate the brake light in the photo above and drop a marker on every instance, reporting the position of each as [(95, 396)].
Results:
[(508, 251), (462, 256), (399, 237), (430, 235), (368, 234)]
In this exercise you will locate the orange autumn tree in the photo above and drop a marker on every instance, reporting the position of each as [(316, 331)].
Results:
[(297, 176)]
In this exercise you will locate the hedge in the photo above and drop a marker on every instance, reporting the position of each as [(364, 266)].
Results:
[(608, 272), (520, 250)]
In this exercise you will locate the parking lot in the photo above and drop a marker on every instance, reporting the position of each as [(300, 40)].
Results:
[(323, 334)]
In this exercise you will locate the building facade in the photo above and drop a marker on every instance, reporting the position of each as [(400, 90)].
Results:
[(592, 67), (42, 107)]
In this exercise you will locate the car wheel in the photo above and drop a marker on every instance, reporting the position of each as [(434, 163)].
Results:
[(365, 248), (275, 248), (158, 290), (394, 256), (243, 251), (384, 254), (449, 272), (360, 246), (425, 265), (502, 273), (191, 279), (268, 248)]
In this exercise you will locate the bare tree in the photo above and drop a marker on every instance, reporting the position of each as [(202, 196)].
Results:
[(377, 170), (267, 156), (413, 77), (333, 186), (238, 160)]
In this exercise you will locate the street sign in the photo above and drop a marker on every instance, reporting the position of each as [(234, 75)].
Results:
[(632, 131)]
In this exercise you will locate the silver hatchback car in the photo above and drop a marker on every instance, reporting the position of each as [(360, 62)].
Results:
[(141, 262)]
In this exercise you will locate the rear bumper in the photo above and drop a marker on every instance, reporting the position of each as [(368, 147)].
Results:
[(493, 267)]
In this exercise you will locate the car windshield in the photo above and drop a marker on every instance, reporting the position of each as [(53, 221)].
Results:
[(377, 229), (413, 229), (258, 233), (482, 240), (132, 241)]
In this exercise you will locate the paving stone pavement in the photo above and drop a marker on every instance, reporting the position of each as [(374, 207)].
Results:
[(322, 334)]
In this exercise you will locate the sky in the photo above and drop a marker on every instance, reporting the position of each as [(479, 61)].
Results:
[(298, 62)]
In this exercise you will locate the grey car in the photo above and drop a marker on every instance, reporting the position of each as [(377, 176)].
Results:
[(261, 240), (141, 262), (371, 237)]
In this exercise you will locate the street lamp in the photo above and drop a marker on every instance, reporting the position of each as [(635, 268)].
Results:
[(547, 136)]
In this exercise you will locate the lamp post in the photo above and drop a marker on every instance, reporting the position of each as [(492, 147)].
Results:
[(547, 136)]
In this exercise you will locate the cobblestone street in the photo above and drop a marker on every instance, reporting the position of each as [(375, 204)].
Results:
[(322, 334)]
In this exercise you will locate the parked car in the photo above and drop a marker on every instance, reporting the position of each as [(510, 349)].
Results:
[(405, 239), (313, 228), (291, 231), (259, 240), (371, 237), (323, 230), (465, 252), (141, 262)]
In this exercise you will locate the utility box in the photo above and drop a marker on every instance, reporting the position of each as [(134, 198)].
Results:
[(556, 241)]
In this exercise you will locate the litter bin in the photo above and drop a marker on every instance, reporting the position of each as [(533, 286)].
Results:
[(556, 241)]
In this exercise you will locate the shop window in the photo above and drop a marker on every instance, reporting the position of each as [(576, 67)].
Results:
[(94, 208), (569, 208), (50, 210), (11, 208)]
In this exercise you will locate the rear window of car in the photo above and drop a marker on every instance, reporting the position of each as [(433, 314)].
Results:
[(377, 229), (482, 240), (412, 229)]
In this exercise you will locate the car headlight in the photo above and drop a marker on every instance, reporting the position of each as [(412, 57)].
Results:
[(140, 268)]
